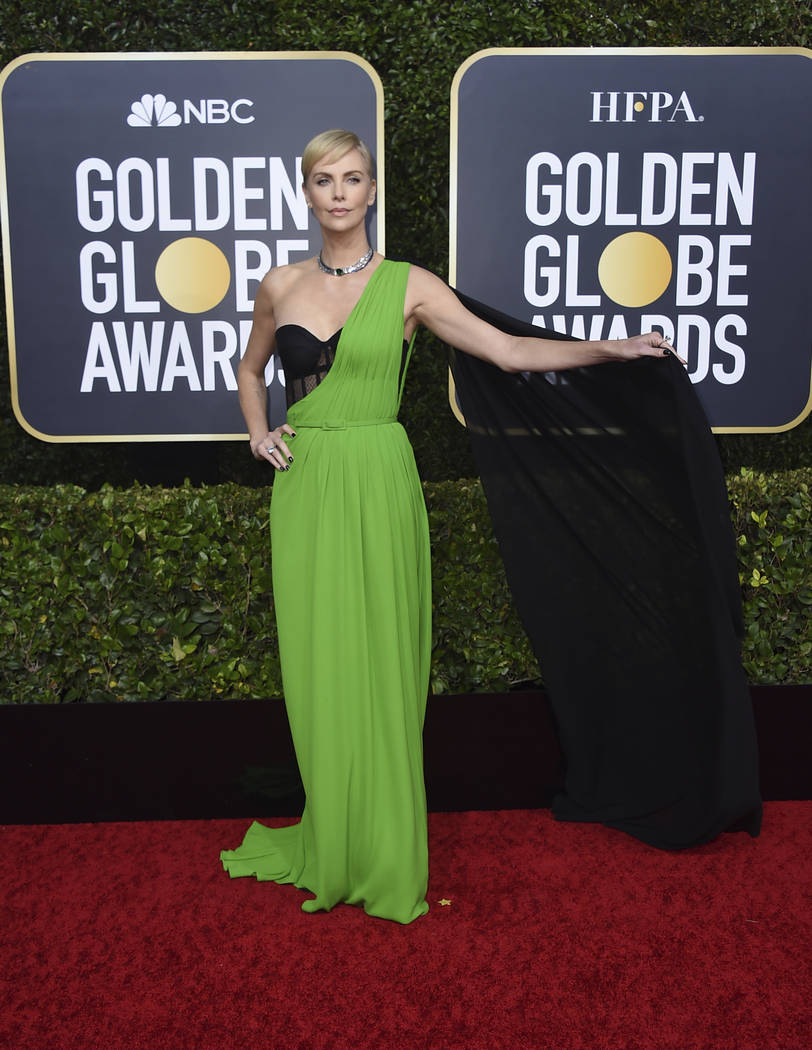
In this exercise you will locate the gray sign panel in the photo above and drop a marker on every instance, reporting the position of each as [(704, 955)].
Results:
[(145, 196), (604, 193)]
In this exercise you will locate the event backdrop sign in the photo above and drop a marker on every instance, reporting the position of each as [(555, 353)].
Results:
[(144, 198), (607, 192)]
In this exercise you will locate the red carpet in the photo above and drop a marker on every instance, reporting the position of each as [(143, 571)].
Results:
[(130, 937)]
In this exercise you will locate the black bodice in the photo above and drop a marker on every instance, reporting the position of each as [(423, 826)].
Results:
[(306, 360)]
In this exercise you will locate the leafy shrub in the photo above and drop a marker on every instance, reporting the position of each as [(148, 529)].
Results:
[(141, 594), (165, 594), (478, 641), (773, 523)]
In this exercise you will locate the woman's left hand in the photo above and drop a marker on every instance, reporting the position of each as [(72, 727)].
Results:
[(650, 344)]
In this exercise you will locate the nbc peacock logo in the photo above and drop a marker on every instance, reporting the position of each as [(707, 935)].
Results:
[(156, 111), (151, 111)]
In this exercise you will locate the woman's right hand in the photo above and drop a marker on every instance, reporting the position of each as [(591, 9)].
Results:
[(272, 446)]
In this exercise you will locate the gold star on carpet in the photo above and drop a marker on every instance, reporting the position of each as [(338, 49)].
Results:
[(444, 903)]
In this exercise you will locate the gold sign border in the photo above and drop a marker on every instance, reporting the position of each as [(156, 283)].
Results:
[(454, 161), (163, 56)]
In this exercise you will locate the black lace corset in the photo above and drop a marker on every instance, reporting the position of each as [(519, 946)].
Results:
[(306, 360)]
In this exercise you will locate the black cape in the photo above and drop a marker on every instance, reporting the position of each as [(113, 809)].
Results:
[(610, 508)]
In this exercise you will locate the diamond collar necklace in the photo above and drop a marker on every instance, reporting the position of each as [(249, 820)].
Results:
[(340, 271)]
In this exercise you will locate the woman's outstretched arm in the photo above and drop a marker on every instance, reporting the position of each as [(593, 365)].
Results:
[(430, 302)]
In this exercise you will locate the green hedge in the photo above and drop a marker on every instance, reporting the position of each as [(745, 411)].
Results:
[(416, 47), (772, 518), (154, 594)]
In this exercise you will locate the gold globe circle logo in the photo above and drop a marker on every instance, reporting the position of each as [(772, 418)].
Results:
[(634, 269), (192, 275)]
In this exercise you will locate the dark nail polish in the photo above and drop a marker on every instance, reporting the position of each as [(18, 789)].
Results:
[(290, 459)]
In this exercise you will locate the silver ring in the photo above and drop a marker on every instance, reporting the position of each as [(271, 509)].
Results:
[(271, 450)]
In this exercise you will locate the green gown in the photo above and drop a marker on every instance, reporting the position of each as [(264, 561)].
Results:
[(352, 592)]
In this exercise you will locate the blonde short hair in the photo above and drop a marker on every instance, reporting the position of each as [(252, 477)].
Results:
[(334, 144)]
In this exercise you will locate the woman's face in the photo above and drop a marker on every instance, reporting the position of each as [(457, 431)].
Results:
[(340, 191)]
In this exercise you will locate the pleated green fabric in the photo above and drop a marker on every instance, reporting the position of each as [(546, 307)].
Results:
[(352, 591)]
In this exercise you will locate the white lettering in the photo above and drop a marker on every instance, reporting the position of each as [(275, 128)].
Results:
[(189, 111), (241, 103), (733, 349), (683, 106), (103, 199), (243, 193), (610, 106), (667, 184), (203, 167), (140, 355), (741, 191), (726, 270), (145, 194), (141, 193), (688, 267), (132, 304), (99, 361), (532, 270), (245, 273), (165, 220), (89, 279), (221, 358), (573, 296), (533, 190), (631, 96), (136, 359), (179, 346), (281, 188), (649, 216), (659, 101), (595, 170), (217, 111), (612, 216), (686, 323), (690, 189)]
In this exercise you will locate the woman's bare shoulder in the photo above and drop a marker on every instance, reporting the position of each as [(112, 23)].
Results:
[(420, 277), (425, 288), (281, 281), (423, 283)]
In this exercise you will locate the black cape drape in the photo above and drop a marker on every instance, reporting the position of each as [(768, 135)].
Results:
[(609, 505)]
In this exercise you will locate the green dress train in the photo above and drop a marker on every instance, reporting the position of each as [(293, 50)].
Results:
[(352, 592)]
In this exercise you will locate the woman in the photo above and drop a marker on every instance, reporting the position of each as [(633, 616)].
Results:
[(350, 537)]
